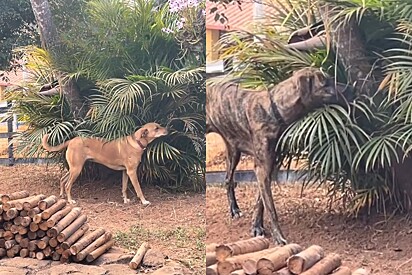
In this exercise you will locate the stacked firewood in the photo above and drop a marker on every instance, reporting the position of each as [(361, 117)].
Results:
[(47, 227), (253, 256)]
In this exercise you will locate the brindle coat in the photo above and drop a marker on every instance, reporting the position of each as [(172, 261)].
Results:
[(251, 122)]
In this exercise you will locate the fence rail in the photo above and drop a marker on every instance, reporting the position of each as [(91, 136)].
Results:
[(8, 162), (282, 176), (7, 135), (11, 160)]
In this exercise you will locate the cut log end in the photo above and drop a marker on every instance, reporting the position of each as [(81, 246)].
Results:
[(304, 260), (3, 252), (47, 202), (137, 259), (14, 196), (223, 252), (86, 240), (324, 266), (24, 252), (277, 259), (39, 255), (241, 247), (227, 267), (99, 251)]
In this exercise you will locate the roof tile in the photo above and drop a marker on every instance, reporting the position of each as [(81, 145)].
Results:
[(13, 78), (238, 19)]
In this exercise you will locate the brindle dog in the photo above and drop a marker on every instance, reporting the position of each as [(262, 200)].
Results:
[(251, 122)]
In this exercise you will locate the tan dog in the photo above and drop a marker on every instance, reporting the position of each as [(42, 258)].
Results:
[(121, 154)]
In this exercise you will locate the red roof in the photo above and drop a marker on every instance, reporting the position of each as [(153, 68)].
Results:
[(13, 78), (237, 19)]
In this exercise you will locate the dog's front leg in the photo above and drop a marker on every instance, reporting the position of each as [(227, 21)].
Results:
[(131, 172), (264, 165), (125, 179), (263, 175)]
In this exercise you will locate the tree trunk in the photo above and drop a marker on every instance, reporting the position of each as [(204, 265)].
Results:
[(349, 45), (48, 32), (72, 93), (50, 41)]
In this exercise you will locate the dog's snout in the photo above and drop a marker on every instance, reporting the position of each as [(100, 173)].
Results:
[(163, 130)]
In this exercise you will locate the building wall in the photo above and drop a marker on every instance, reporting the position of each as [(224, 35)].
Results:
[(2, 88), (212, 37)]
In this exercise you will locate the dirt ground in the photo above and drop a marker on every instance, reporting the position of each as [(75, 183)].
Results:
[(173, 224), (378, 244)]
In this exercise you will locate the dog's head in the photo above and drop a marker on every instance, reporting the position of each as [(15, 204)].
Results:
[(316, 89), (150, 132)]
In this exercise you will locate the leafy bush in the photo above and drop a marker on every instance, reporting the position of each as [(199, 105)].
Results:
[(129, 72)]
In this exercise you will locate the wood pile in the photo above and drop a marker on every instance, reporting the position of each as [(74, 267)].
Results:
[(253, 256), (48, 228)]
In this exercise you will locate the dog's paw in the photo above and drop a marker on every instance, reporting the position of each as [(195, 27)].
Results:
[(71, 201), (236, 213), (280, 240), (257, 231), (146, 203), (126, 200)]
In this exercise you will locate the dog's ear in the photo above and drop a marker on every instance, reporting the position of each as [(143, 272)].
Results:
[(309, 80), (144, 134), (292, 91)]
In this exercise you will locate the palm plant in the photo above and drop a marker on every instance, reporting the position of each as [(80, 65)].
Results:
[(129, 72), (40, 113), (355, 149), (120, 38), (173, 99)]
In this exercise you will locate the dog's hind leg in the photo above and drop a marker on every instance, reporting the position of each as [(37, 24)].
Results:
[(232, 160), (74, 174), (63, 181), (125, 179), (264, 165), (257, 220)]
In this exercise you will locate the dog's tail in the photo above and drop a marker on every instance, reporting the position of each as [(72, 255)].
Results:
[(49, 148)]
